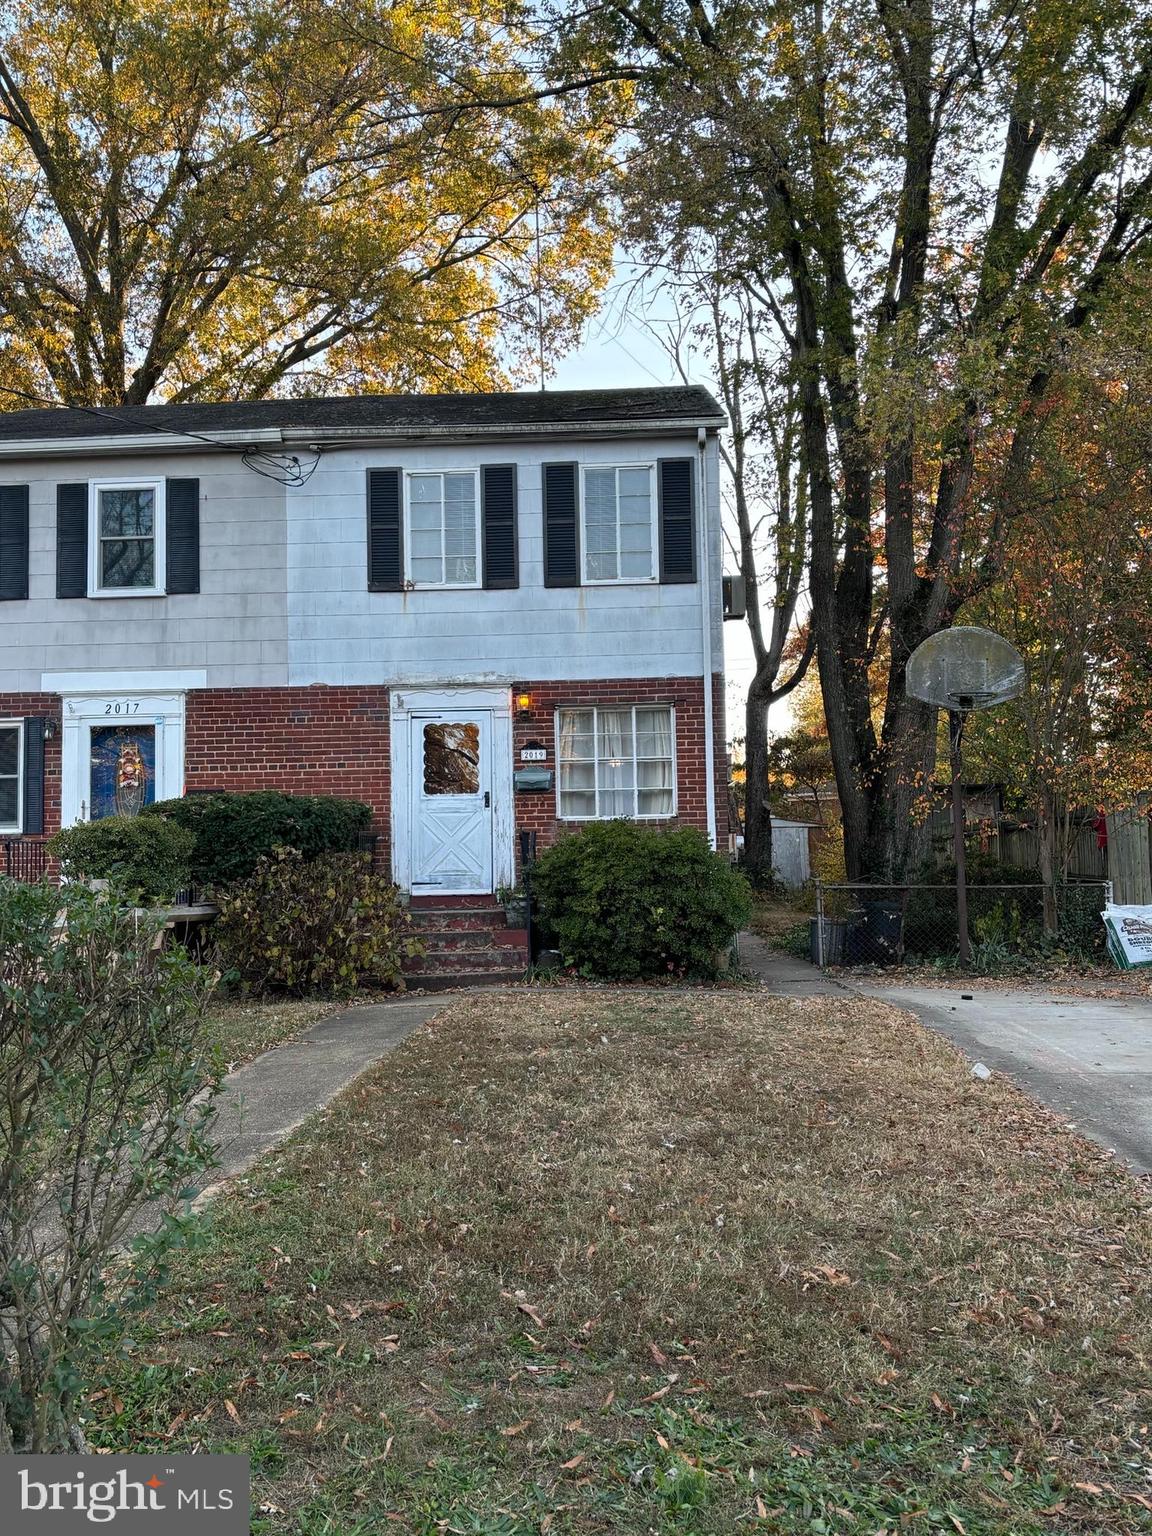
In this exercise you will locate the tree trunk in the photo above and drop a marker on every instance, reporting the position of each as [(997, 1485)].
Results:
[(757, 815)]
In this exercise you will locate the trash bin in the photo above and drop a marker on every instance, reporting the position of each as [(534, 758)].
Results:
[(835, 929), (877, 937)]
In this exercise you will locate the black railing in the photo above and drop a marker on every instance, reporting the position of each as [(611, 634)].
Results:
[(24, 859)]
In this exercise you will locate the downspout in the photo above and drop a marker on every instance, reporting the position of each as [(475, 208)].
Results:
[(706, 610)]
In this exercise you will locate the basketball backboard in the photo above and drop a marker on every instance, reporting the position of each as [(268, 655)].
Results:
[(965, 668)]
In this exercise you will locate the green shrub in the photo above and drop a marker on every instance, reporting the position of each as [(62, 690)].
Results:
[(314, 925), (624, 900), (104, 1131), (149, 859), (233, 832)]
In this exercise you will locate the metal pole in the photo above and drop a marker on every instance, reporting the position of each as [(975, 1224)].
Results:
[(820, 924), (955, 737)]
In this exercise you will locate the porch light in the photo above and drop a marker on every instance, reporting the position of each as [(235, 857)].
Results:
[(524, 706)]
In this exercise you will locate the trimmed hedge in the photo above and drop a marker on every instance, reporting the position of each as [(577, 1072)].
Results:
[(149, 860), (626, 901), (232, 832)]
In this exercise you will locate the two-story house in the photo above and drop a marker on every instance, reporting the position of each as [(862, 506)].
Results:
[(406, 600)]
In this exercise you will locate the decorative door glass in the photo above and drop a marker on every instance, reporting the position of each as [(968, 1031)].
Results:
[(452, 758), (122, 773)]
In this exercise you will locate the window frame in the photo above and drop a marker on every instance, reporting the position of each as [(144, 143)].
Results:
[(16, 828), (159, 551), (636, 815), (442, 586), (653, 502)]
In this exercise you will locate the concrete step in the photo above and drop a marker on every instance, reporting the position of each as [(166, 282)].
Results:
[(438, 919), (433, 982), (459, 903)]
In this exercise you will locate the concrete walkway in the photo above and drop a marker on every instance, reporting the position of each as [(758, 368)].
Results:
[(263, 1102), (782, 974)]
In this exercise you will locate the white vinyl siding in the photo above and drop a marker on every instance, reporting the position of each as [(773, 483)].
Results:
[(11, 775), (616, 762), (442, 537), (618, 523)]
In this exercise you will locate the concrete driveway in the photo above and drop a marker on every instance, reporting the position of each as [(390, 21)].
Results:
[(1090, 1059)]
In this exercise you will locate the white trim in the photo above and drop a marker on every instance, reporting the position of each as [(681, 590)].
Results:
[(95, 537), (595, 708), (704, 576), (83, 711), (442, 586), (404, 703), (654, 512), (164, 441), (14, 829), (123, 682)]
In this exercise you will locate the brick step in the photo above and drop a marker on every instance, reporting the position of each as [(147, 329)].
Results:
[(439, 939), (453, 961), (465, 921), (459, 903)]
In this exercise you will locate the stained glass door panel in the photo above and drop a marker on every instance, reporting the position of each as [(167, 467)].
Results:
[(122, 771)]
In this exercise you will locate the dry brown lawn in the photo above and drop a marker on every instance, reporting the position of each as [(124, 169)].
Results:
[(678, 1263)]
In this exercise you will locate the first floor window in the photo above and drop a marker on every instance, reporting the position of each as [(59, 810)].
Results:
[(618, 506), (11, 754), (125, 538), (444, 530), (616, 762)]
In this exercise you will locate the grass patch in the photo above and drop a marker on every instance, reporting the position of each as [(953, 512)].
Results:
[(693, 1263), (246, 1027)]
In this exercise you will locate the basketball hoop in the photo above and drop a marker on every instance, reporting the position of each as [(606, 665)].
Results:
[(961, 670)]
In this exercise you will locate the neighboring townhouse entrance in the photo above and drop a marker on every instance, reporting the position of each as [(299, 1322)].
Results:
[(122, 741), (452, 812)]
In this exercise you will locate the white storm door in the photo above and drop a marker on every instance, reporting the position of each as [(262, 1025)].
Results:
[(451, 803)]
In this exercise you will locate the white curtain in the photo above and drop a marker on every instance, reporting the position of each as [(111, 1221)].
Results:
[(654, 748), (617, 755)]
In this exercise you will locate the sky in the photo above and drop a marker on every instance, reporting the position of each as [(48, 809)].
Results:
[(618, 352)]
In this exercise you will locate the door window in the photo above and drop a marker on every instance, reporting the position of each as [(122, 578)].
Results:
[(122, 770), (452, 758)]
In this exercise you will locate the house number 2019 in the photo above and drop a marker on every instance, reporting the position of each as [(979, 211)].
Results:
[(122, 707)]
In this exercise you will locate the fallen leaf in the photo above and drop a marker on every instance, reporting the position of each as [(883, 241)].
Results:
[(573, 1463), (516, 1429), (658, 1355), (230, 1410), (529, 1311)]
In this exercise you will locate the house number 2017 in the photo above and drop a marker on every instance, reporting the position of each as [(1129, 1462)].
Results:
[(122, 707)]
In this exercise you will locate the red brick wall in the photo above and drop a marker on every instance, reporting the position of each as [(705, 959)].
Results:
[(19, 706), (685, 694), (335, 741)]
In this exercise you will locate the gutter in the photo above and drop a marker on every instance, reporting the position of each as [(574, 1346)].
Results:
[(343, 437)]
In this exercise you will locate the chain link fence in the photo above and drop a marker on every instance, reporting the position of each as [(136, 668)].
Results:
[(861, 924)]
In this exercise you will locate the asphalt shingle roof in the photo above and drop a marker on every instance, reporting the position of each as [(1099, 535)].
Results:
[(387, 413)]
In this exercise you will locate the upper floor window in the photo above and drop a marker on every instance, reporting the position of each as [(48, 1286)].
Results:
[(126, 538), (11, 758), (444, 529), (616, 762), (618, 516)]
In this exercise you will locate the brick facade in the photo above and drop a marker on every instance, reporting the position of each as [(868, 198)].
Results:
[(334, 740)]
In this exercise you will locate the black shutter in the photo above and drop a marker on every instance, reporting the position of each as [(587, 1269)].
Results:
[(677, 520), (561, 527), (13, 542), (385, 547), (498, 513), (33, 819), (72, 541), (182, 541)]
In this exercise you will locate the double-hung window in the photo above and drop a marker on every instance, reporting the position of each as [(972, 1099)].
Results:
[(618, 516), (126, 538), (616, 762), (11, 759), (443, 535)]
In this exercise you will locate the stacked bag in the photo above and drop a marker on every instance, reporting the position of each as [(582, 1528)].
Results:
[(1129, 931)]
